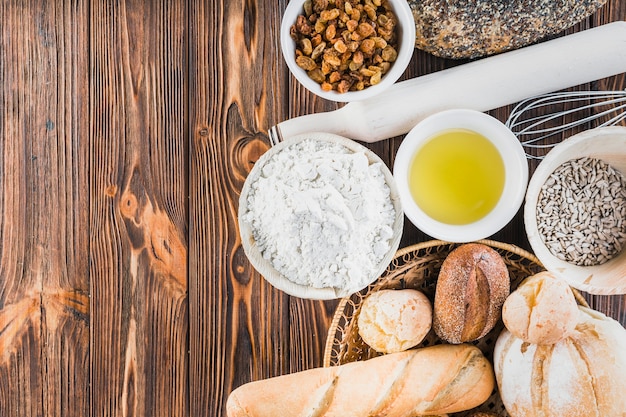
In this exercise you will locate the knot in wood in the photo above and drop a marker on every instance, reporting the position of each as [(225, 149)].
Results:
[(128, 205)]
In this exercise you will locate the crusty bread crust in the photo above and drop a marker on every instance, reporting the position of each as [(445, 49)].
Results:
[(428, 381), (395, 320), (472, 286), (583, 375), (542, 310)]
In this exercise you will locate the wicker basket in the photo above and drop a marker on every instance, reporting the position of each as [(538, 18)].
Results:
[(417, 267)]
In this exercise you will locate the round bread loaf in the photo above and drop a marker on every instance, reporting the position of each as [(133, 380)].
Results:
[(582, 375), (471, 29), (394, 320), (471, 287), (542, 310)]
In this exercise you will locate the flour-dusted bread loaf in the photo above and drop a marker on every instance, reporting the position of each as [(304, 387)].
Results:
[(472, 285), (474, 28), (428, 381), (542, 310), (584, 375)]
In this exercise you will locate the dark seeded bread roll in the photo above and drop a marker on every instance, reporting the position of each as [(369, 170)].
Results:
[(471, 29), (472, 286)]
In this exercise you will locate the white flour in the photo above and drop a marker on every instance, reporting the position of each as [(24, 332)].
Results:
[(322, 215)]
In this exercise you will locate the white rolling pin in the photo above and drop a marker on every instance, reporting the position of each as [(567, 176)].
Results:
[(481, 85)]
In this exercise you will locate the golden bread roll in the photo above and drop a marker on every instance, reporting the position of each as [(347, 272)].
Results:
[(471, 287), (542, 310), (394, 320), (429, 381), (583, 375)]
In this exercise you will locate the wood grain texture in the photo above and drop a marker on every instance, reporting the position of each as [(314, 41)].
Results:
[(138, 211), (44, 303), (127, 129), (237, 90)]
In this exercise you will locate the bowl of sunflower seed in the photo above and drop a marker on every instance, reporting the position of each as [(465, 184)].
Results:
[(575, 210)]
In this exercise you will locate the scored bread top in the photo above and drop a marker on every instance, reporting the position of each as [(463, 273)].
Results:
[(473, 284)]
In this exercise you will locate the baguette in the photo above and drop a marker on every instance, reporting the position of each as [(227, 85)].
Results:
[(433, 380)]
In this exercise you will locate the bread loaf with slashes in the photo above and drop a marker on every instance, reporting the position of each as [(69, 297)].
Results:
[(433, 380)]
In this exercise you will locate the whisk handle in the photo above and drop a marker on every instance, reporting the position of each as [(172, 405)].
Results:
[(481, 85)]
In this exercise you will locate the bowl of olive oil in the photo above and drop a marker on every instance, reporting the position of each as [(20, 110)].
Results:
[(461, 175)]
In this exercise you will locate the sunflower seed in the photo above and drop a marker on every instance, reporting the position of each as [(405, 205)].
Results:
[(581, 212)]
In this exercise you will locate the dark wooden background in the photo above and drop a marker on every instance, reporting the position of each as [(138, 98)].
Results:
[(127, 129)]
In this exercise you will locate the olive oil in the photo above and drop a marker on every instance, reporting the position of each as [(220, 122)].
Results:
[(457, 177)]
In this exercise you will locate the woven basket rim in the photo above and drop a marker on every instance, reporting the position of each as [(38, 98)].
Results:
[(516, 250)]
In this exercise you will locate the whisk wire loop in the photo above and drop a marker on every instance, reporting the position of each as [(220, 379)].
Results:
[(540, 122)]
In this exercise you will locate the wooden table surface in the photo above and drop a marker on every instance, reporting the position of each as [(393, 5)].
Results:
[(127, 129)]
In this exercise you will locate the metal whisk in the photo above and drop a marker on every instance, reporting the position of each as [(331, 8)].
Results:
[(541, 122)]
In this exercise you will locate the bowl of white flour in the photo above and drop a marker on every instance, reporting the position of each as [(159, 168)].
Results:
[(320, 216)]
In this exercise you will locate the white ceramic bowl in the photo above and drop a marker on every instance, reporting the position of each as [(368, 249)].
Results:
[(515, 181), (609, 145), (406, 39), (265, 266)]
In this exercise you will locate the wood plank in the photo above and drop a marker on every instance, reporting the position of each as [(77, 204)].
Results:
[(44, 304), (238, 90), (138, 209)]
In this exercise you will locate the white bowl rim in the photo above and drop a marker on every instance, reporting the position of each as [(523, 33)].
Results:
[(516, 173), (591, 279), (406, 25), (265, 268)]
